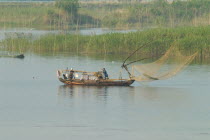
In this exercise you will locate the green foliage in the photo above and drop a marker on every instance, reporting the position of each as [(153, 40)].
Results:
[(65, 14), (179, 13), (70, 6), (17, 44), (23, 15), (188, 39)]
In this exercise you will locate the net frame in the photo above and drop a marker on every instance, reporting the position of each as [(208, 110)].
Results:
[(167, 66)]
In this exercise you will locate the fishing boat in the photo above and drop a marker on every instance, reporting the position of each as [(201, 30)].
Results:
[(161, 69), (76, 77), (90, 79)]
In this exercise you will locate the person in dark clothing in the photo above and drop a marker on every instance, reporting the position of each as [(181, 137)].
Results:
[(105, 73), (71, 75)]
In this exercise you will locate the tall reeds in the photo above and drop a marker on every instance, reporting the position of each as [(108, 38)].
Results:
[(110, 15), (188, 39)]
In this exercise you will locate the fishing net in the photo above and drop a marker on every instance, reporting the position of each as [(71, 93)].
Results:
[(165, 67)]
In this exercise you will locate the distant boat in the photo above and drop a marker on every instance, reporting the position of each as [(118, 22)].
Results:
[(21, 56)]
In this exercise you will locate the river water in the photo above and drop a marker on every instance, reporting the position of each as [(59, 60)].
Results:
[(36, 34), (35, 105)]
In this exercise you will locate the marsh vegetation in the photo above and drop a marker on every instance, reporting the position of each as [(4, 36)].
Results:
[(188, 39), (184, 24), (66, 14)]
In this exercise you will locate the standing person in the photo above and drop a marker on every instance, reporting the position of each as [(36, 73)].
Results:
[(71, 76), (105, 73)]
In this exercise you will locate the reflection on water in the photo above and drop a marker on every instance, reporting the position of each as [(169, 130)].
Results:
[(161, 93), (101, 93), (35, 34), (149, 93), (74, 90)]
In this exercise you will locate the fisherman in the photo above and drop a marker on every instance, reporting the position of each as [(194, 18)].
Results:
[(105, 73), (71, 75)]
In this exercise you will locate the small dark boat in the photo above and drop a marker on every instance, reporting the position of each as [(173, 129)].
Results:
[(21, 56)]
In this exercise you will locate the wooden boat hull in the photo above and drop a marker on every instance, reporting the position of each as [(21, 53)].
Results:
[(109, 82)]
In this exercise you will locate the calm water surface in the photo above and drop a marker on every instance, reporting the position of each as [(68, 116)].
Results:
[(36, 34), (34, 105)]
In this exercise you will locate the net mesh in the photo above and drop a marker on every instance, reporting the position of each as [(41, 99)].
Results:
[(165, 67)]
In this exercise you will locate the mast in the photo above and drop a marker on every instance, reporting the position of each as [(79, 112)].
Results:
[(124, 65)]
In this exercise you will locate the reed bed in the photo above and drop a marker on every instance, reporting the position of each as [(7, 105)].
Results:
[(188, 39), (157, 13)]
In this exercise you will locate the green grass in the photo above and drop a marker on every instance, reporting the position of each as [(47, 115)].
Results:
[(188, 39), (110, 15), (23, 15)]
